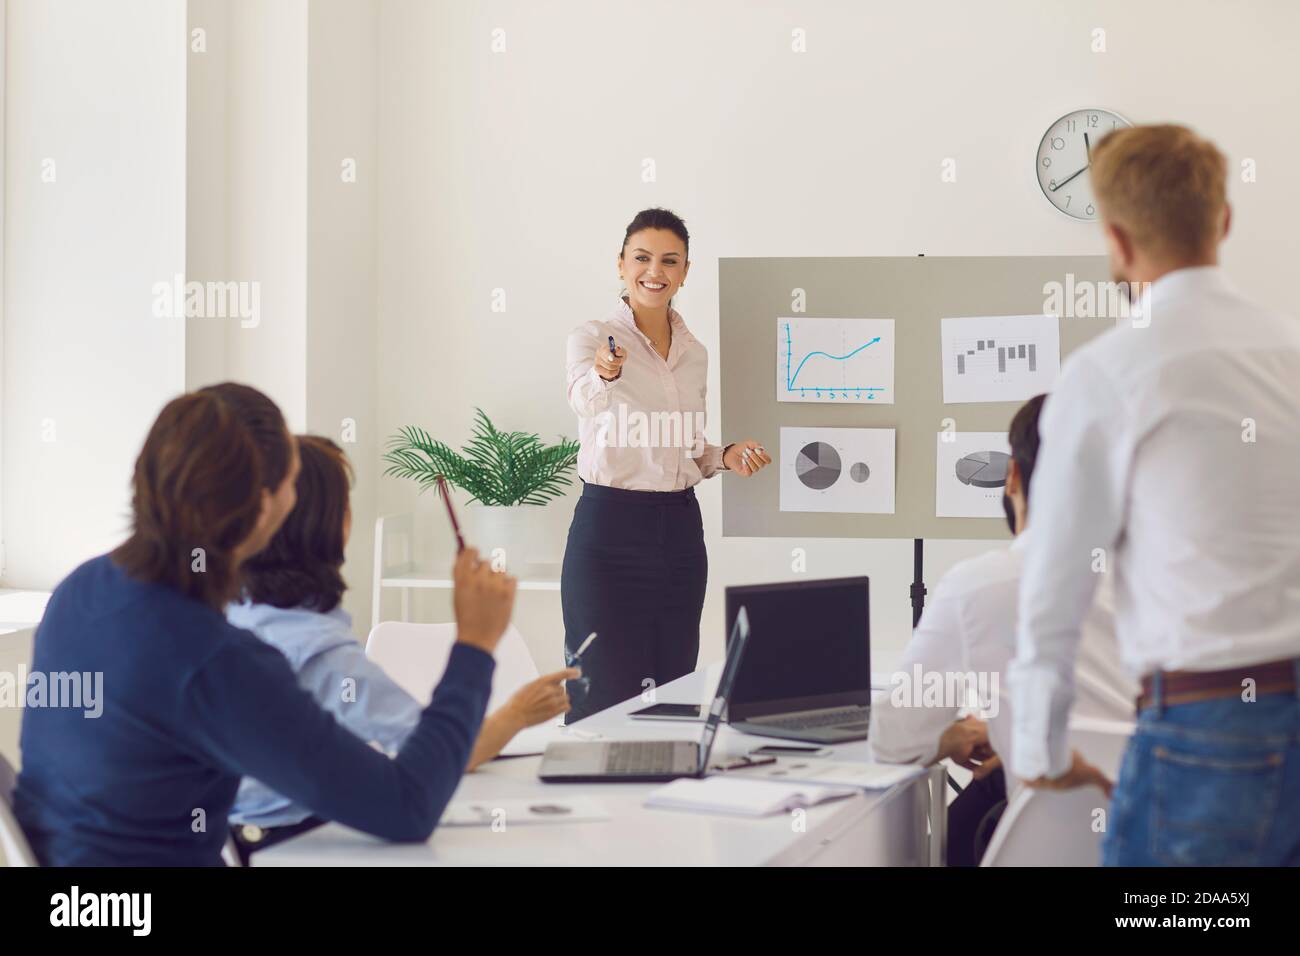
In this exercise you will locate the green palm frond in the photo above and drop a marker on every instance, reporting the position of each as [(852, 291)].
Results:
[(494, 467)]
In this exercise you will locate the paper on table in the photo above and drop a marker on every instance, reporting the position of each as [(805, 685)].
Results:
[(482, 813), (999, 358), (533, 740), (837, 773), (741, 796)]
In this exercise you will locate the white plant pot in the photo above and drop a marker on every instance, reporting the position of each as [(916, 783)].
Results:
[(503, 533)]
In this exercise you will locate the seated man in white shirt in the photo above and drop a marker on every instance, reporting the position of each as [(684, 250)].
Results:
[(956, 661)]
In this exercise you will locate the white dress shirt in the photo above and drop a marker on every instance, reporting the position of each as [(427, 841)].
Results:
[(1171, 452), (324, 655), (644, 431), (969, 627)]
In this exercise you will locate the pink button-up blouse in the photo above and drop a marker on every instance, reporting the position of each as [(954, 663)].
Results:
[(644, 431)]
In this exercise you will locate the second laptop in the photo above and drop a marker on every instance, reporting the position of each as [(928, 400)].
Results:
[(807, 671)]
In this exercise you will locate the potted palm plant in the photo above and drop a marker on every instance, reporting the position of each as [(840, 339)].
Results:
[(504, 473)]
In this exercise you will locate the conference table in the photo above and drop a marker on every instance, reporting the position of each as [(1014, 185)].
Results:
[(888, 827)]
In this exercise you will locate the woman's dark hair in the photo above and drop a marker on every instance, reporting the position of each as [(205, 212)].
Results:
[(657, 219), (265, 424), (196, 495), (301, 566), (1023, 438)]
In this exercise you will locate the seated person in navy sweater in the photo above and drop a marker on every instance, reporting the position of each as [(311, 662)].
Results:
[(190, 703), (292, 590)]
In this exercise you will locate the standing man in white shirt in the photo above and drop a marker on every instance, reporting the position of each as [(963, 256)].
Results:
[(966, 639), (1174, 458)]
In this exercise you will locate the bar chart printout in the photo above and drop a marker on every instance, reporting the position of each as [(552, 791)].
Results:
[(999, 358), (835, 360)]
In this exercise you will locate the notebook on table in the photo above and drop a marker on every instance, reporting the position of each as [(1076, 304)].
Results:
[(742, 797)]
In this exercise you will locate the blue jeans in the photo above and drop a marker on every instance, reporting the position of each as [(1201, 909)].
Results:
[(1212, 783)]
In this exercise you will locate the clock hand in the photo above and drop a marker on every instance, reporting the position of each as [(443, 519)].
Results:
[(1087, 146), (1067, 179)]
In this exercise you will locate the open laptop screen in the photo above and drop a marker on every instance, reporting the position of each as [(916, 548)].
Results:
[(809, 646)]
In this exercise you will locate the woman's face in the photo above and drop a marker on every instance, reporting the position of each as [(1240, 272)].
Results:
[(653, 266)]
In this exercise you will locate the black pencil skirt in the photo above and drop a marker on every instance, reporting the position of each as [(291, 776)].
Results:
[(635, 569)]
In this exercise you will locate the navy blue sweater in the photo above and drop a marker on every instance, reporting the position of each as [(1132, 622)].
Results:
[(191, 705)]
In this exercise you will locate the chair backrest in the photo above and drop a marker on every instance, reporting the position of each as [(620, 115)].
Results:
[(1102, 742), (1049, 828), (1062, 828), (13, 842), (415, 655)]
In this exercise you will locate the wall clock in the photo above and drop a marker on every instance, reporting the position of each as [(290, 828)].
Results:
[(1064, 157)]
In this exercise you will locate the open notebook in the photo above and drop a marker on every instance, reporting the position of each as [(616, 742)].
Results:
[(741, 797)]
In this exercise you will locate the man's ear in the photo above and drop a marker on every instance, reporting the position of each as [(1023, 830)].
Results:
[(1013, 478), (1227, 221), (1119, 242)]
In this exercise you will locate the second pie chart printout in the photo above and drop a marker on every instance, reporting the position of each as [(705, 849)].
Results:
[(970, 474), (848, 470)]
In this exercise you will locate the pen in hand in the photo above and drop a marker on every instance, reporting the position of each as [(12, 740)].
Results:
[(455, 525), (584, 645)]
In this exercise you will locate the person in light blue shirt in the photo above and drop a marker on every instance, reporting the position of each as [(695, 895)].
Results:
[(291, 600)]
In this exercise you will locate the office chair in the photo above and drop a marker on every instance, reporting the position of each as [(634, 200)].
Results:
[(415, 655), (1065, 827), (17, 851)]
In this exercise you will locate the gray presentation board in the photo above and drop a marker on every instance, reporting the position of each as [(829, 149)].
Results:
[(917, 293)]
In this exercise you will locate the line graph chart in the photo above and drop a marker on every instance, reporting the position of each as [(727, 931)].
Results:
[(835, 360)]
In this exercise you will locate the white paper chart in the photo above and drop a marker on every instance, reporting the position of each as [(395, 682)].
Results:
[(835, 360), (970, 474), (849, 470), (999, 358)]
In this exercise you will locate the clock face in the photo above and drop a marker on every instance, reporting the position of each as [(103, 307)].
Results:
[(1063, 160)]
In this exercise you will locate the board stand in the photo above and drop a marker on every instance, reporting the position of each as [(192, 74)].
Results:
[(918, 580)]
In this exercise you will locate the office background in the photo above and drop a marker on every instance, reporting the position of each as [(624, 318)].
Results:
[(499, 149)]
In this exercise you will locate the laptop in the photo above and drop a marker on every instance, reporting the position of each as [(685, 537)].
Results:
[(628, 761), (807, 672)]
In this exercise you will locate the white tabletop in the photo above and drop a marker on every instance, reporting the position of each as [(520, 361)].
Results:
[(634, 835)]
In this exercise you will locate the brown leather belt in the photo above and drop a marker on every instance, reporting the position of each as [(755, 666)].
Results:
[(1187, 687)]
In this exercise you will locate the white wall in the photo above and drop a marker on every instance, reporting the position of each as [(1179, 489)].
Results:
[(519, 170), (343, 80), (98, 89), (207, 208), (266, 195), (284, 92)]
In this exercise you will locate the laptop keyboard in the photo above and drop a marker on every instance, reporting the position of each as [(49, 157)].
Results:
[(850, 716), (640, 756)]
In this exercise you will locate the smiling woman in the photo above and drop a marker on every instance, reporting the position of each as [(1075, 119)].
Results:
[(635, 566)]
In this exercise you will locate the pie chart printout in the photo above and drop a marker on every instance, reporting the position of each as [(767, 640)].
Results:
[(818, 465), (983, 469), (841, 470), (970, 474)]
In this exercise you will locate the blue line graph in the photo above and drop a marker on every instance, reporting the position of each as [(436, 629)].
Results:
[(820, 389)]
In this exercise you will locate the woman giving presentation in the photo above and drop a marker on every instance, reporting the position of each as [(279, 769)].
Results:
[(635, 565)]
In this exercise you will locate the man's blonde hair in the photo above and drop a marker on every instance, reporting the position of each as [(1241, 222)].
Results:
[(1163, 185)]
